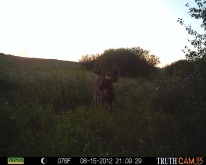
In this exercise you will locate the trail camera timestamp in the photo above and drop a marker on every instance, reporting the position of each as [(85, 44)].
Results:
[(111, 161), (128, 160)]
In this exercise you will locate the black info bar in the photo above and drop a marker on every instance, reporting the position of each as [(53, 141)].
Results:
[(103, 160)]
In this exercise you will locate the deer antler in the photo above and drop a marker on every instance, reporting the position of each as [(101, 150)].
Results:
[(114, 74), (114, 71)]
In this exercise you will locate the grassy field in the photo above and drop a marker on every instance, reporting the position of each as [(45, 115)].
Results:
[(47, 109)]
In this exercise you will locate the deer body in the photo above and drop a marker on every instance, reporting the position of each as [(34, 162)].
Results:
[(103, 89)]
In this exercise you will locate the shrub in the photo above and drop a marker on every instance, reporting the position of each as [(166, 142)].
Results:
[(180, 68), (131, 62)]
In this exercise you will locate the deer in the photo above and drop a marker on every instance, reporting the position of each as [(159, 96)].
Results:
[(103, 88)]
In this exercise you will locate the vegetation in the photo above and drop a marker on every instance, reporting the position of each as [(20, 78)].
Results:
[(46, 106), (46, 109), (199, 40), (197, 51), (180, 68), (132, 62)]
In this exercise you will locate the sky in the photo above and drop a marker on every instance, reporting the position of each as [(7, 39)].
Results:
[(69, 29)]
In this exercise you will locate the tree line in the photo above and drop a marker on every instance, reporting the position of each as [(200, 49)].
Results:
[(131, 62)]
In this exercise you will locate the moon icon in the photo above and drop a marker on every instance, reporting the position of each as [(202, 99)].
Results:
[(43, 160)]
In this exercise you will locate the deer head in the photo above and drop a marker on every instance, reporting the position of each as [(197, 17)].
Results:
[(103, 89)]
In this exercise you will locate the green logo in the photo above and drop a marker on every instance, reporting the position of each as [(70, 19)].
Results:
[(15, 160)]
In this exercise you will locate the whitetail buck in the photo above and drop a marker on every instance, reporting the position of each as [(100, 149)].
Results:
[(103, 89)]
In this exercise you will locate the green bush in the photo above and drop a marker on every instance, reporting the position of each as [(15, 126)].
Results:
[(131, 62), (180, 68)]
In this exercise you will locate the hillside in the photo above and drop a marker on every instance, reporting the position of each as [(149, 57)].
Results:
[(46, 109), (36, 61)]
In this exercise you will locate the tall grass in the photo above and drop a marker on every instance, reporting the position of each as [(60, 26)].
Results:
[(46, 109)]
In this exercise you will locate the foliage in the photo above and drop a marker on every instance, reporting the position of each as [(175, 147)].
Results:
[(49, 112), (184, 98), (131, 62), (88, 61), (198, 55), (180, 68), (199, 40)]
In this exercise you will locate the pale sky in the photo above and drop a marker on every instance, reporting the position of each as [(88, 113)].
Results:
[(68, 29)]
